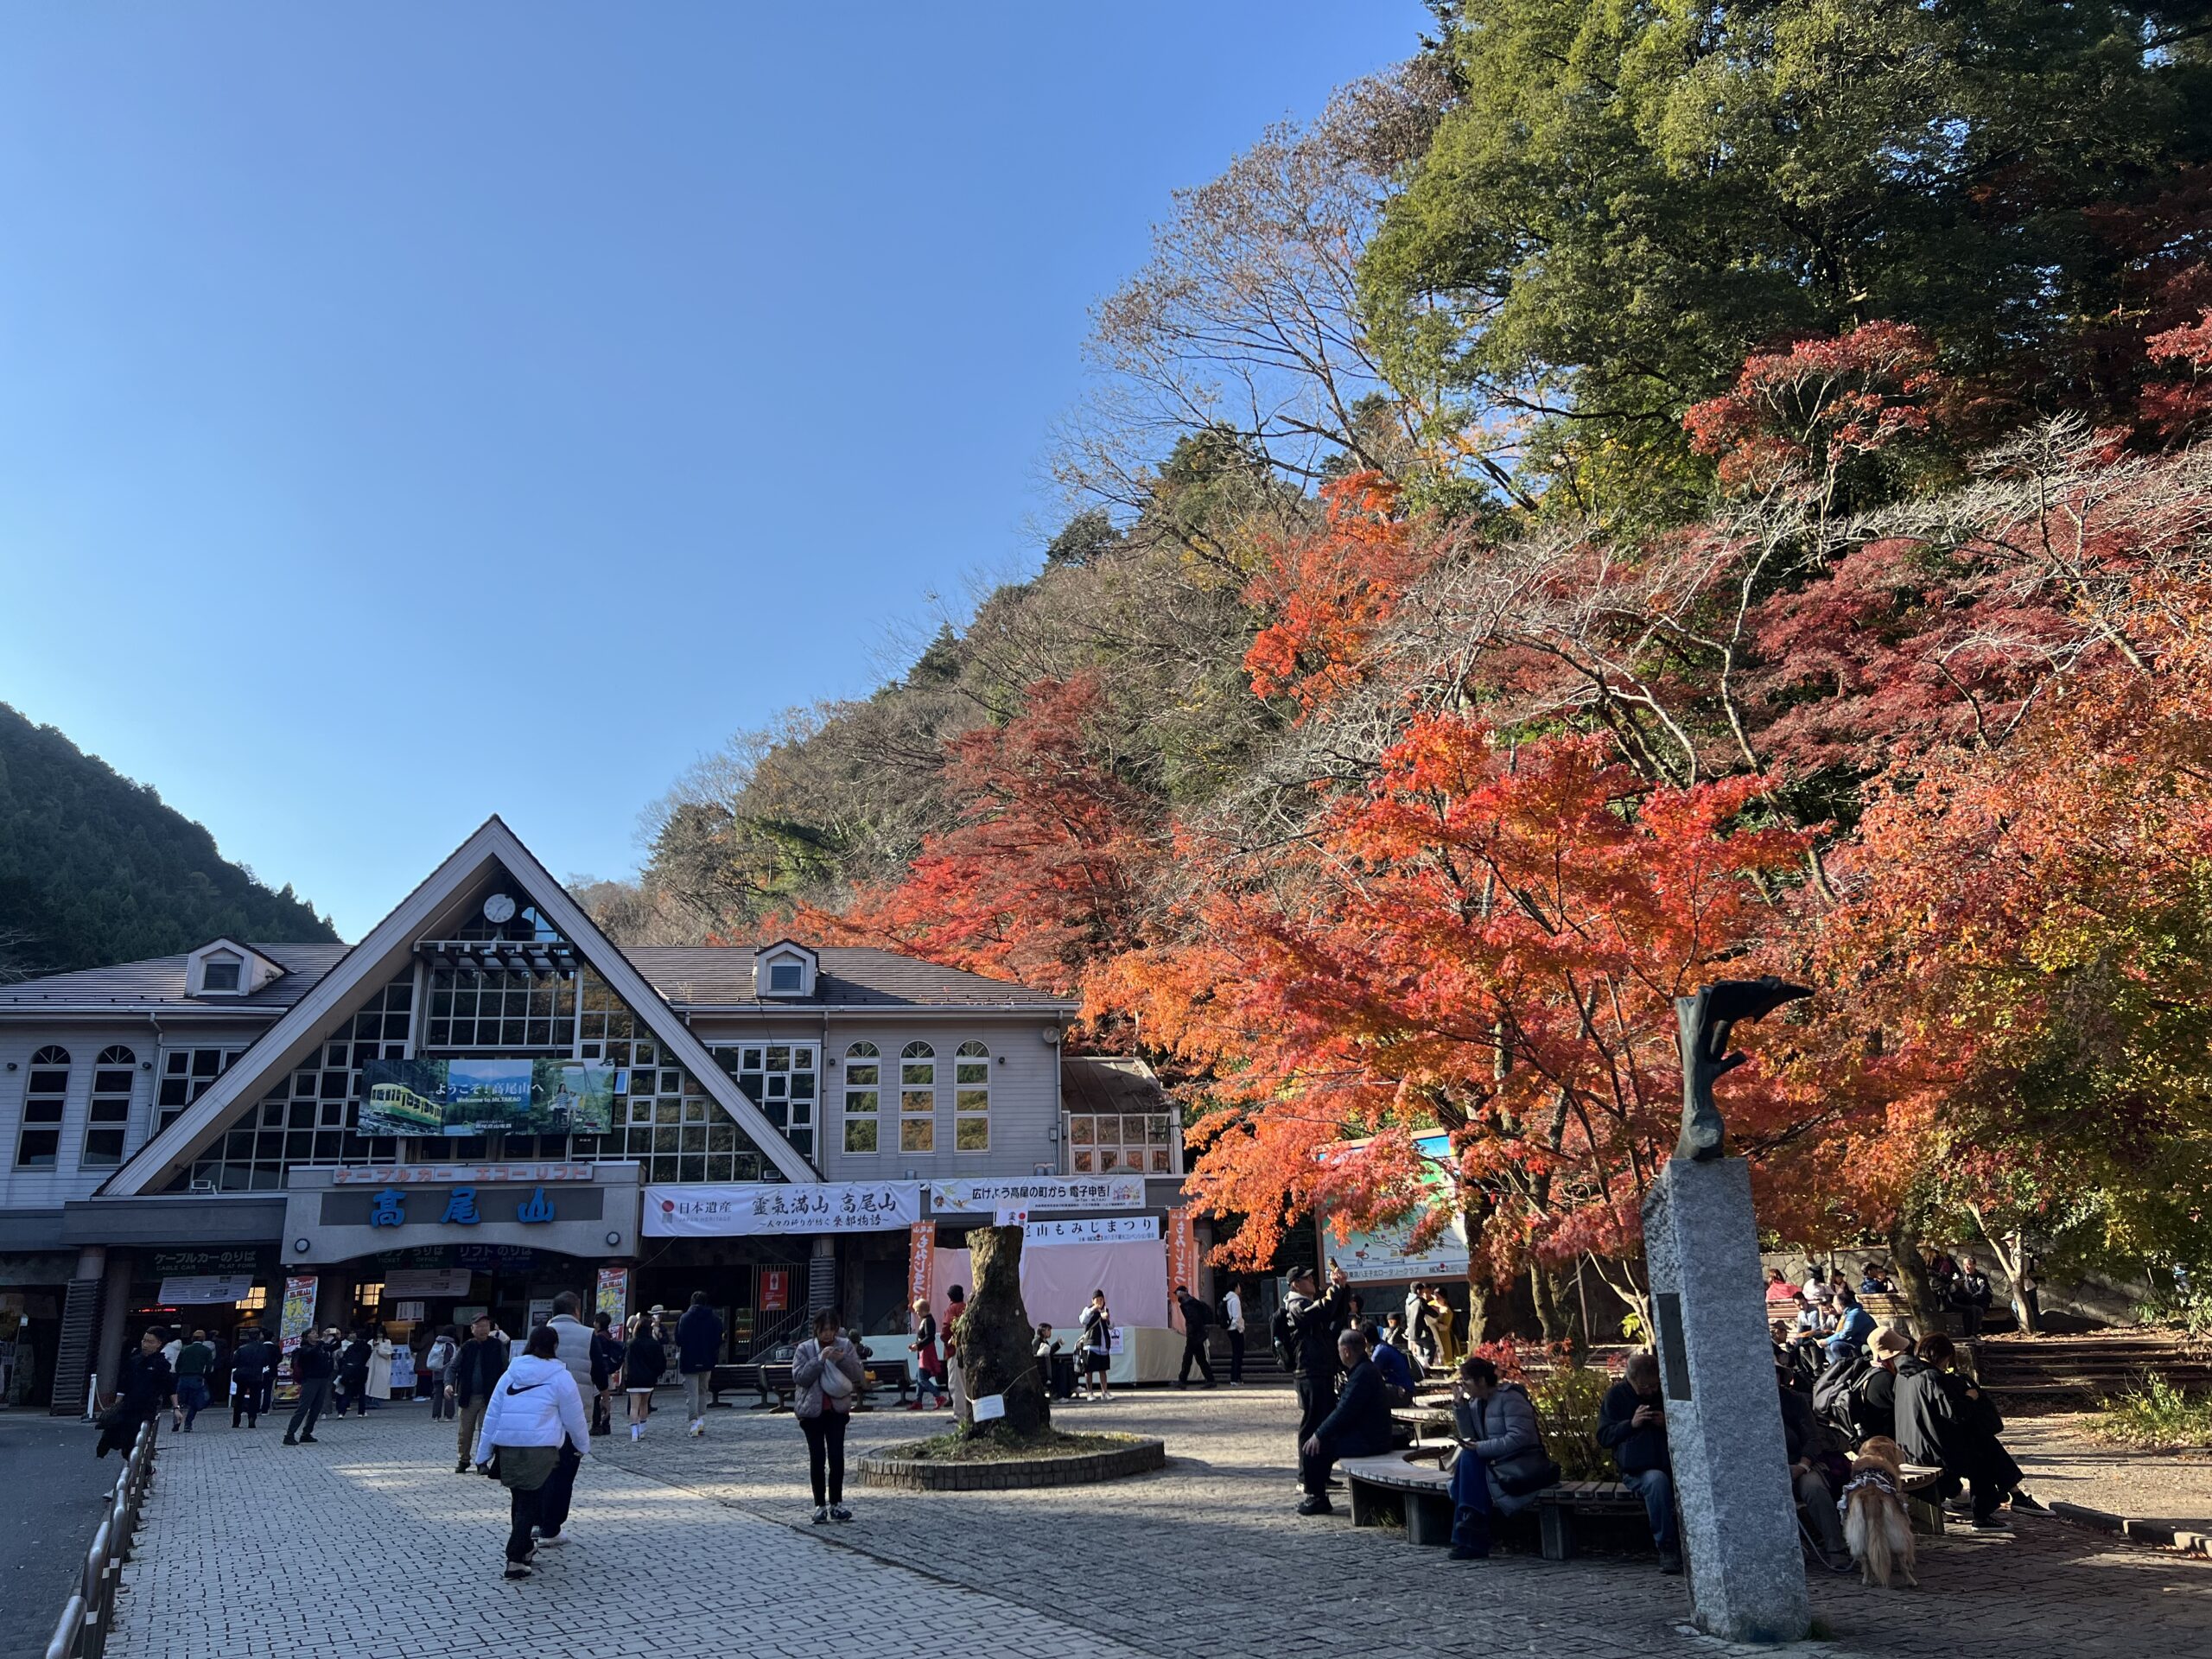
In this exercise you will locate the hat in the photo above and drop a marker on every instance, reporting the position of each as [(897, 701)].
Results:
[(1296, 1273), (1890, 1340)]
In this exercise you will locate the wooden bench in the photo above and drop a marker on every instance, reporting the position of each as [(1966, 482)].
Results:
[(775, 1379), (731, 1377), (1419, 1494), (1922, 1506), (1559, 1507)]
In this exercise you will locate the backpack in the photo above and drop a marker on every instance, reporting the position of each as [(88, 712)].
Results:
[(1197, 1316), (1836, 1393), (1283, 1337)]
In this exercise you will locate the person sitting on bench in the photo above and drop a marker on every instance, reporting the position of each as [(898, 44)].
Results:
[(1397, 1374), (1500, 1455), (1632, 1426), (1944, 1418), (1359, 1426)]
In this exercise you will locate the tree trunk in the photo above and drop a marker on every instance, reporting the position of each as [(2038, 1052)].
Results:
[(997, 1342), (1912, 1274), (1477, 1312), (1551, 1318)]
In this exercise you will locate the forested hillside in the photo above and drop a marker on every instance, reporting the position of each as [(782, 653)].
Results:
[(94, 870), (1631, 497)]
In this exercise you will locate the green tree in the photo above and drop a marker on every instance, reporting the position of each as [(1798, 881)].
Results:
[(1627, 199)]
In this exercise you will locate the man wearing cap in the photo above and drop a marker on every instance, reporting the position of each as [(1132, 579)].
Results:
[(1315, 1322)]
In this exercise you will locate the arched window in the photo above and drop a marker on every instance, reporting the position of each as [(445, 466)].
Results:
[(863, 1096), (38, 1144), (971, 1098), (108, 1118), (918, 1098)]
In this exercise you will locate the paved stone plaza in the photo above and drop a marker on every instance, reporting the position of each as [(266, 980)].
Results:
[(368, 1546)]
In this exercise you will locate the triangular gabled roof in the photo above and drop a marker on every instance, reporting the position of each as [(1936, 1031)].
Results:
[(388, 947)]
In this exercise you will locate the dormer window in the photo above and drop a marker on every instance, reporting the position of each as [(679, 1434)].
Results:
[(218, 975), (226, 968), (784, 969)]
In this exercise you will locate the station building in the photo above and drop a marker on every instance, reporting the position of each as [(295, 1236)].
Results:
[(484, 1103)]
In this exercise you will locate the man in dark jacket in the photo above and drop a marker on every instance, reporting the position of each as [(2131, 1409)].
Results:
[(147, 1382), (1970, 1294), (1632, 1426), (1314, 1323), (1944, 1419), (1196, 1317), (1817, 1471), (312, 1367), (250, 1368), (480, 1362), (1359, 1427), (698, 1345)]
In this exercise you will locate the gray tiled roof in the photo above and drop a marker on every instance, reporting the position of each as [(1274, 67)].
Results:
[(159, 983), (685, 974)]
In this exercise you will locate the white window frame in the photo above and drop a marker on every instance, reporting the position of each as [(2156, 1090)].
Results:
[(51, 1057), (862, 1055), (916, 1121), (116, 1057), (971, 1076)]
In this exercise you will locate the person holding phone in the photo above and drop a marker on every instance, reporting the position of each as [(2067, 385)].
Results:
[(828, 1372), (1632, 1426)]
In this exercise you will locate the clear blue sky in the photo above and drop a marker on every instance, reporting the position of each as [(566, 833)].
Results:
[(410, 412)]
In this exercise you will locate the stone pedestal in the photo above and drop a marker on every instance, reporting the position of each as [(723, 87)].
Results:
[(1724, 1414)]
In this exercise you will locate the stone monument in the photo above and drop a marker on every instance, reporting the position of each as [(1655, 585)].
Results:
[(1716, 1365)]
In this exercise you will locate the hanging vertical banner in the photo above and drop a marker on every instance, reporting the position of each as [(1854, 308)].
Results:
[(775, 1290), (613, 1295), (1182, 1261), (921, 1255), (294, 1321)]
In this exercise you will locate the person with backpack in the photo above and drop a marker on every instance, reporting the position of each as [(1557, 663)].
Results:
[(698, 1345), (1196, 1318), (250, 1367), (1304, 1333), (1817, 1473), (1836, 1391), (929, 1364), (1873, 1403), (437, 1360), (829, 1373), (312, 1365), (1501, 1465), (196, 1363), (1097, 1333)]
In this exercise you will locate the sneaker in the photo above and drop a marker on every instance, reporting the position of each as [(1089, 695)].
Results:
[(517, 1570), (288, 1440), (917, 1406), (552, 1541), (697, 1429), (821, 1516), (1318, 1504), (1992, 1523), (637, 1431), (461, 1467), (2022, 1500), (1461, 1554), (839, 1512), (307, 1440), (1670, 1562)]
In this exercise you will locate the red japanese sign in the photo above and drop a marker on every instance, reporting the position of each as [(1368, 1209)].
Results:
[(775, 1289)]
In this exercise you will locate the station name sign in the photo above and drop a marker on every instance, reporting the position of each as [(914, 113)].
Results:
[(460, 1174)]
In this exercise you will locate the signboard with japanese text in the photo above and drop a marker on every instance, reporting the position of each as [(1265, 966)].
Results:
[(422, 1282), (921, 1260), (187, 1290), (459, 1174), (612, 1297), (298, 1312), (775, 1290), (755, 1207), (1036, 1192), (1090, 1230), (464, 1098), (1182, 1262), (1386, 1253)]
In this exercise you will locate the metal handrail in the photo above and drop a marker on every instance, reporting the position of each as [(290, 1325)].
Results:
[(86, 1621)]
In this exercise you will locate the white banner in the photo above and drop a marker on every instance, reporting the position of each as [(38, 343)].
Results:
[(1091, 1229), (748, 1207), (1034, 1193), (419, 1283), (184, 1289)]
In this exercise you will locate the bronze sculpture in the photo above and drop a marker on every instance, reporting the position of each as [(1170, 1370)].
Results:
[(1706, 1020)]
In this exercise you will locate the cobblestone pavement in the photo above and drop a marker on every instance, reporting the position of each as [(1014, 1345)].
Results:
[(2071, 1467), (371, 1532), (58, 1493)]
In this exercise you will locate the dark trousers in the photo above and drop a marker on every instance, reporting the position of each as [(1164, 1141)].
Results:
[(1236, 1356), (825, 1455), (354, 1391), (191, 1397), (1317, 1397), (1970, 1318), (1194, 1348), (314, 1395), (1471, 1505), (525, 1511), (247, 1401), (558, 1491), (441, 1406)]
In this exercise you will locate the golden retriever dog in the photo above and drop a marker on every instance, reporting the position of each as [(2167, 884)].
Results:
[(1875, 1524)]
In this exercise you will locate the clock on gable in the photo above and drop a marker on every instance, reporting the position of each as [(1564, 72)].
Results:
[(499, 909)]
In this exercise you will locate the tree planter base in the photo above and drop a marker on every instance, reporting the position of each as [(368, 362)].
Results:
[(1083, 1469)]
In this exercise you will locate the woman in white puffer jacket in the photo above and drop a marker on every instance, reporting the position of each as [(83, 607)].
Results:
[(534, 1407)]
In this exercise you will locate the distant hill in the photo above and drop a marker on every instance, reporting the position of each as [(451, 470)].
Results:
[(95, 869)]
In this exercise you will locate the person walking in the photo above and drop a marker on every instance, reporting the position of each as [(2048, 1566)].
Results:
[(251, 1366), (437, 1360), (929, 1364), (1097, 1333), (478, 1364), (1310, 1326), (828, 1372), (196, 1363), (148, 1383), (1196, 1318), (1232, 1321), (536, 1414), (956, 1374), (606, 1369), (643, 1361), (312, 1366), (698, 1345)]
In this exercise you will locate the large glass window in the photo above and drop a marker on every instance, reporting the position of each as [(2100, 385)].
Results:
[(863, 1096), (1105, 1143), (187, 1074), (38, 1144), (780, 1079), (971, 1098), (918, 1098), (472, 1009), (108, 1118)]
